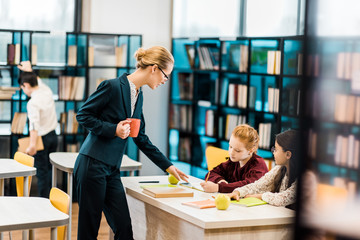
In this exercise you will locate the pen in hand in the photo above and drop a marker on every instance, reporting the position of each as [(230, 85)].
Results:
[(207, 177)]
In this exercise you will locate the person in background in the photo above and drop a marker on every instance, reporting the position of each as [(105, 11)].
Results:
[(278, 186), (243, 166), (97, 168), (42, 122)]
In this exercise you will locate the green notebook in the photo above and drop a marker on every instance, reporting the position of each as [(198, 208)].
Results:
[(249, 202)]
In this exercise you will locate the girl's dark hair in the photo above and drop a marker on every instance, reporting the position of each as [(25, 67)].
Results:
[(28, 77), (289, 140)]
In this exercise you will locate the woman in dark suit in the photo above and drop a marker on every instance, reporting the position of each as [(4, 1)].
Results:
[(104, 114)]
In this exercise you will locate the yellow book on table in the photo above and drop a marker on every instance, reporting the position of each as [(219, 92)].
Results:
[(166, 192), (249, 202)]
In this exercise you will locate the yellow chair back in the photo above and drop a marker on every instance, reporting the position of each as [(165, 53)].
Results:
[(215, 156), (28, 161), (61, 201)]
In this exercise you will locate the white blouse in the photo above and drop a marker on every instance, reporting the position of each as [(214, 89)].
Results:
[(284, 197)]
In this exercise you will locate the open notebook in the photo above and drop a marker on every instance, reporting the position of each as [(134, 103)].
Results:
[(193, 185)]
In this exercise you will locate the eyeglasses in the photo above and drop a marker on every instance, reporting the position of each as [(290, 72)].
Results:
[(273, 149), (166, 76)]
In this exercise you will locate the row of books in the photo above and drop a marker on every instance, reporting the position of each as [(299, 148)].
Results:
[(273, 100), (208, 57), (18, 123), (73, 147), (71, 88), (264, 135), (237, 95), (347, 109), (347, 151), (96, 56), (231, 122), (68, 122), (348, 63), (14, 53), (184, 149), (7, 92), (345, 148), (270, 163), (291, 98), (238, 57), (186, 85), (273, 62), (181, 117)]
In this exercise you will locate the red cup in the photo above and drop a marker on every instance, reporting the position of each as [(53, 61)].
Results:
[(134, 127)]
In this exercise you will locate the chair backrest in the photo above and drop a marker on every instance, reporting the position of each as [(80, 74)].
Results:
[(61, 201), (215, 156), (28, 161)]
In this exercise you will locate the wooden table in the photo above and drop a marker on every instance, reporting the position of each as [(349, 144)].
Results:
[(9, 168), (20, 213), (167, 218), (65, 161)]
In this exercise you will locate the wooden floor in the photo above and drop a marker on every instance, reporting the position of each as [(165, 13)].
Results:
[(44, 233)]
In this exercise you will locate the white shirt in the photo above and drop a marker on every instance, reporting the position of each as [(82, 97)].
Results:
[(134, 96), (41, 110), (284, 197)]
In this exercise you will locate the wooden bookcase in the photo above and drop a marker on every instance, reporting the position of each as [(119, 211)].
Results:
[(219, 83), (90, 57)]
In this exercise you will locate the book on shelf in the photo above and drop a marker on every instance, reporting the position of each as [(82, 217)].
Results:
[(210, 123), (168, 192), (73, 147), (270, 163), (201, 204), (90, 56), (7, 92), (264, 135), (11, 54), (249, 202), (231, 122), (190, 52), (186, 84), (34, 56), (72, 55), (17, 53), (68, 122), (347, 151), (185, 149), (273, 62), (121, 55), (18, 123), (25, 142), (71, 88)]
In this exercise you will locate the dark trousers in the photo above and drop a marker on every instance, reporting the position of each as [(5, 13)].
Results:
[(43, 165), (99, 188)]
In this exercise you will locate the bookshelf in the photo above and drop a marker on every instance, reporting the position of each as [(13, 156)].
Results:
[(219, 83), (332, 114), (72, 64)]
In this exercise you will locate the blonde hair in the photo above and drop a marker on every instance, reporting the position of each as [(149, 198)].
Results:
[(155, 55), (248, 135)]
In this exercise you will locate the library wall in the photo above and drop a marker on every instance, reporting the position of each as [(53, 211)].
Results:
[(115, 16)]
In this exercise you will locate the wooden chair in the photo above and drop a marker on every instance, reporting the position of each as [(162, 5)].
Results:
[(215, 156), (61, 201), (28, 161)]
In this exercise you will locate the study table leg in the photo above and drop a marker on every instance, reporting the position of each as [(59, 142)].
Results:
[(70, 191), (54, 176)]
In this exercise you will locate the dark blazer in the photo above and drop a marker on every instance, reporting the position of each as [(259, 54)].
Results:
[(100, 114)]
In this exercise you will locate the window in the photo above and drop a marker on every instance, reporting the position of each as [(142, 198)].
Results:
[(51, 15), (206, 18)]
